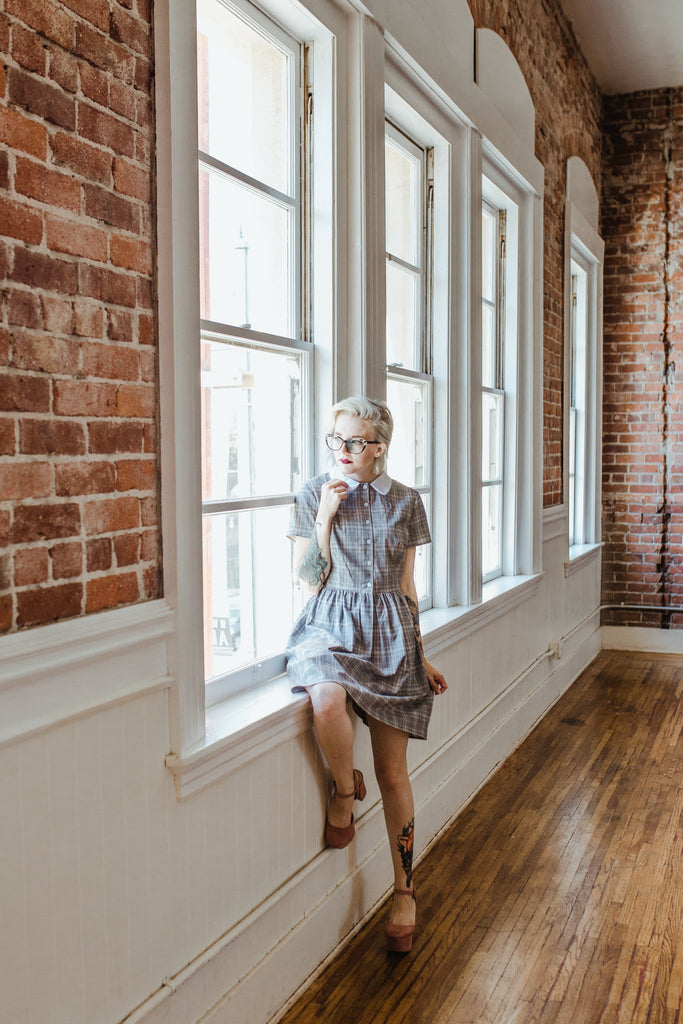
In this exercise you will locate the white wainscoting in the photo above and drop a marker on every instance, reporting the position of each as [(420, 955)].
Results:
[(56, 672)]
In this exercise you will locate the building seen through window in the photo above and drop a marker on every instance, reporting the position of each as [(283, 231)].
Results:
[(254, 361)]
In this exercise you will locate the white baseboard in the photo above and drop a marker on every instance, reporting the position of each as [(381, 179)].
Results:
[(252, 973), (641, 638)]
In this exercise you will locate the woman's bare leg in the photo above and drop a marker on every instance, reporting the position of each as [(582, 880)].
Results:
[(335, 735), (389, 748)]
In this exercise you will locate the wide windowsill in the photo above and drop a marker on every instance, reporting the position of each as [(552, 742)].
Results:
[(580, 555), (248, 724)]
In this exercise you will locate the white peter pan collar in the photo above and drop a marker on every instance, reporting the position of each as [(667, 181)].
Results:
[(382, 483)]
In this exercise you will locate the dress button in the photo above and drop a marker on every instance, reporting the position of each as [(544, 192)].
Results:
[(368, 541), (367, 522), (368, 562)]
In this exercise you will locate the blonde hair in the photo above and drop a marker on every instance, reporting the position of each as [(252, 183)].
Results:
[(372, 411)]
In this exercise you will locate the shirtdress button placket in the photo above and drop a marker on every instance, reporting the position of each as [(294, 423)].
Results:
[(368, 537)]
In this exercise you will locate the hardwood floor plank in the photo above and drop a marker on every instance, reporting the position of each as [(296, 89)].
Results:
[(557, 895)]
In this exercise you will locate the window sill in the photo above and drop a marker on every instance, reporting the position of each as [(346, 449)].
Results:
[(248, 724), (239, 729), (442, 627), (579, 556)]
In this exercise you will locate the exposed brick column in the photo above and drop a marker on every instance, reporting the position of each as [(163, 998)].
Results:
[(568, 107), (643, 332), (79, 510)]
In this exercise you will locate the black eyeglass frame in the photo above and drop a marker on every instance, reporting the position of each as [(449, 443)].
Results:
[(344, 442)]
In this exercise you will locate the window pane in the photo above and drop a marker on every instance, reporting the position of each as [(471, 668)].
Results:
[(572, 474), (250, 598), (491, 516), (252, 420), (402, 203), (488, 346), (403, 328), (245, 257), (244, 96), (408, 452), (489, 230), (422, 558), (491, 437)]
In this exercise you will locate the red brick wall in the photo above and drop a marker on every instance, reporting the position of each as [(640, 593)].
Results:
[(568, 108), (79, 510), (643, 331)]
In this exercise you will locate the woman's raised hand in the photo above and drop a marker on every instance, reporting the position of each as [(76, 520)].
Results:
[(332, 493)]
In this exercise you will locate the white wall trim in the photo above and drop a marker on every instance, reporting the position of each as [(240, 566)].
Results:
[(642, 638), (52, 673), (236, 979), (554, 522), (581, 555)]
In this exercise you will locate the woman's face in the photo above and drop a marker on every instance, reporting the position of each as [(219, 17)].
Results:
[(364, 466)]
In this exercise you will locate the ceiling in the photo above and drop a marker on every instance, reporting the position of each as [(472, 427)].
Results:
[(630, 44)]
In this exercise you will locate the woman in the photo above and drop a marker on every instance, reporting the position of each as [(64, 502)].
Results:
[(355, 531)]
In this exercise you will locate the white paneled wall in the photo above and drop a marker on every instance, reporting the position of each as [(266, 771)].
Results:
[(120, 899)]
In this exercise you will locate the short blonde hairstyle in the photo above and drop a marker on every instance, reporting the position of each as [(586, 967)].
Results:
[(371, 411)]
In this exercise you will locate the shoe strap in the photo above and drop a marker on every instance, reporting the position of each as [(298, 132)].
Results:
[(358, 781), (406, 892)]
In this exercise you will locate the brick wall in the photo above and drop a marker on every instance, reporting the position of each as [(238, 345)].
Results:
[(568, 107), (643, 331), (78, 482)]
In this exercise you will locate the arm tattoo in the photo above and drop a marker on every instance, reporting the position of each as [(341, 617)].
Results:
[(313, 567), (415, 615)]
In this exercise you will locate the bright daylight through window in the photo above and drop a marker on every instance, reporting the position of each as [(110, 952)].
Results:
[(493, 393), (408, 265), (577, 400), (254, 359)]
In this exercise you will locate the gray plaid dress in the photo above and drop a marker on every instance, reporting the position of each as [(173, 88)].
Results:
[(358, 630)]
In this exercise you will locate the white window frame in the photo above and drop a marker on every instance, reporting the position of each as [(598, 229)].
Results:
[(224, 684), (504, 190), (436, 127), (325, 31), (585, 251), (420, 371)]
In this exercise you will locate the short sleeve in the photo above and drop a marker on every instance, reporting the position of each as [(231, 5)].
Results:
[(418, 528), (304, 511)]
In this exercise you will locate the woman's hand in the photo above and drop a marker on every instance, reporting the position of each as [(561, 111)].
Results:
[(436, 681), (332, 493)]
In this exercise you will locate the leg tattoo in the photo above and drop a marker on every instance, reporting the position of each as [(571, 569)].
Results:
[(405, 849)]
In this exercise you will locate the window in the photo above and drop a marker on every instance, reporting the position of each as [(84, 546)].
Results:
[(584, 253), (493, 389), (408, 195), (510, 384), (577, 398), (583, 401), (255, 352)]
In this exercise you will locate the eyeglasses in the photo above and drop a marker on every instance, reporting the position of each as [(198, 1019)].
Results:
[(354, 445)]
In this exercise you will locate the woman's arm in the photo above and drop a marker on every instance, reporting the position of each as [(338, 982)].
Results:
[(436, 680), (312, 558)]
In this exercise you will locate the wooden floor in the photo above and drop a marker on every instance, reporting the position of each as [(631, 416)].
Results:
[(558, 893)]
